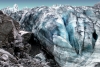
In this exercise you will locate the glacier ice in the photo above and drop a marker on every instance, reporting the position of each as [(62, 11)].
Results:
[(70, 33)]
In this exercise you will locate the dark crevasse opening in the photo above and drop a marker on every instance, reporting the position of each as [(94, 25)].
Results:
[(37, 47), (95, 37), (97, 65)]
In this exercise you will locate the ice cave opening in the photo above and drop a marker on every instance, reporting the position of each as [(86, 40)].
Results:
[(95, 36)]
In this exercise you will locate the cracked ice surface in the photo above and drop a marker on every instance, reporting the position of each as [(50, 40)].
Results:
[(70, 33)]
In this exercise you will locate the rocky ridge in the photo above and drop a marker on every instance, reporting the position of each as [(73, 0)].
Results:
[(16, 45)]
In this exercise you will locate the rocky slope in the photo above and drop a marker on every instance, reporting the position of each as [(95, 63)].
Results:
[(70, 34), (16, 47)]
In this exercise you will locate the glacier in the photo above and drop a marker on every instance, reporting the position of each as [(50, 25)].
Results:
[(70, 33)]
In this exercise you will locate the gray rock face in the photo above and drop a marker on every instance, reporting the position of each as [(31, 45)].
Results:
[(70, 34), (8, 30)]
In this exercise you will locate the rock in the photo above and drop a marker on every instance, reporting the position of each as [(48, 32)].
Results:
[(41, 57), (6, 59), (26, 36), (27, 48), (1, 12), (7, 30), (6, 56), (8, 33), (34, 62)]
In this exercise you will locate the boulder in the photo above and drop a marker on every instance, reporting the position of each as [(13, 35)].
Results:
[(6, 56), (8, 30)]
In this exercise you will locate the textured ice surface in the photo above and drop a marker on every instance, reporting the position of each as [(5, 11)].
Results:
[(70, 33)]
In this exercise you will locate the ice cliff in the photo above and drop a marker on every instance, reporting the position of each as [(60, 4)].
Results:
[(70, 34)]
